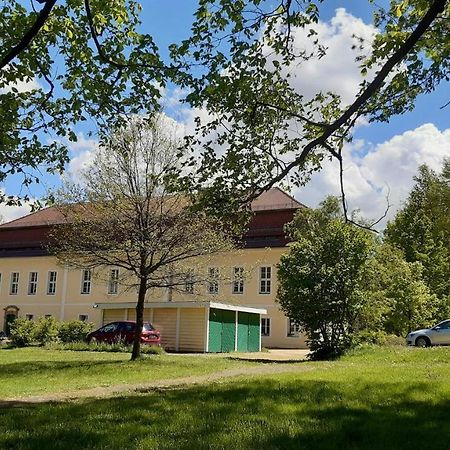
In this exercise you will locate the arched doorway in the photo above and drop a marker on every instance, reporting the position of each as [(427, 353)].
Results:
[(11, 314)]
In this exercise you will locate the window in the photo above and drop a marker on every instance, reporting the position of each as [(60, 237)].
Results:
[(51, 283), (265, 326), (213, 284), (189, 283), (29, 316), (86, 276), (113, 284), (110, 328), (265, 275), (48, 316), (32, 283), (293, 328), (238, 281), (83, 317), (14, 287)]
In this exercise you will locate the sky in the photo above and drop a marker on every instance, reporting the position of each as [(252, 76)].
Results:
[(383, 157)]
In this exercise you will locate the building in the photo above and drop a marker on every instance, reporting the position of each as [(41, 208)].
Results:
[(32, 284)]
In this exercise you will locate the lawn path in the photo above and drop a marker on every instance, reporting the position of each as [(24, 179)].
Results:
[(173, 383)]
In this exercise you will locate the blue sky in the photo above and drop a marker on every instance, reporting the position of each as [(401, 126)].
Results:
[(383, 157)]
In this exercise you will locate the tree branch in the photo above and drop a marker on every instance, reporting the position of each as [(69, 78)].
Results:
[(433, 12), (29, 35)]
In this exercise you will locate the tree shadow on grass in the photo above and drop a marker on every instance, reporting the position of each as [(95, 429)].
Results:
[(258, 414)]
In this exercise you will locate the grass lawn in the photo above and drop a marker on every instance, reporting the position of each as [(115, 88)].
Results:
[(35, 371), (372, 399)]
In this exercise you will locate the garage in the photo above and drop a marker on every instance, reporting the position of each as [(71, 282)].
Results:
[(196, 326)]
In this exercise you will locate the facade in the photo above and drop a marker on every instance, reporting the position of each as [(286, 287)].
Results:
[(32, 284)]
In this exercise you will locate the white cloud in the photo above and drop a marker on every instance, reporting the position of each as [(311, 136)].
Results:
[(8, 213), (82, 155), (25, 85), (387, 168), (337, 71)]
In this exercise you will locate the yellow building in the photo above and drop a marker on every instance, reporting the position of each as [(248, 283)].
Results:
[(32, 284)]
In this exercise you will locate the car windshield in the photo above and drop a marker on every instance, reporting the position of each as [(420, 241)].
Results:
[(147, 327)]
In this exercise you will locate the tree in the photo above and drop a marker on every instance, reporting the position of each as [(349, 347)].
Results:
[(130, 214), (65, 64), (321, 278), (398, 300), (264, 124), (236, 64), (421, 229)]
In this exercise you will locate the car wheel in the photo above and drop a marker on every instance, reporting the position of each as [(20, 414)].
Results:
[(422, 342)]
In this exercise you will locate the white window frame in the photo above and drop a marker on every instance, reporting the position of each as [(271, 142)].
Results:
[(32, 283), (293, 328), (113, 282), (83, 317), (52, 277), (86, 281), (266, 326), (213, 280), (265, 280), (238, 281), (14, 283)]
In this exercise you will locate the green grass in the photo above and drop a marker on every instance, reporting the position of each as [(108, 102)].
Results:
[(371, 399), (35, 371)]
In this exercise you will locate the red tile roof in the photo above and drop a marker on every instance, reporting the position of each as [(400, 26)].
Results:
[(43, 217), (274, 199)]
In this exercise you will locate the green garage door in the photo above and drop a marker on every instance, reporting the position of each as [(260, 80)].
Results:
[(222, 330), (248, 332), (254, 333)]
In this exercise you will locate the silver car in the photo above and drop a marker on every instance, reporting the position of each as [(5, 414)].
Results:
[(438, 335)]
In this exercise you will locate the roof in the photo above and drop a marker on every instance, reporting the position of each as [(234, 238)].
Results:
[(271, 200), (29, 235), (41, 218), (275, 199), (183, 304)]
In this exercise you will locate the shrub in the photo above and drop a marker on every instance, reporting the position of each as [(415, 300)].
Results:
[(23, 332), (377, 338), (46, 330), (74, 331)]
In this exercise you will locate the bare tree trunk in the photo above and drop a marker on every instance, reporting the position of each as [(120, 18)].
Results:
[(139, 320)]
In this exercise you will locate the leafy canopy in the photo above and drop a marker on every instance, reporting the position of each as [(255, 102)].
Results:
[(322, 275)]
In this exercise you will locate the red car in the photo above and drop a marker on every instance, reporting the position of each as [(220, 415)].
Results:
[(124, 332)]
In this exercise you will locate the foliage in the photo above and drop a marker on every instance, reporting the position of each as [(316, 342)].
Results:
[(68, 63), (377, 338), (421, 229), (74, 331), (398, 299), (92, 62), (23, 332), (270, 130), (46, 330), (321, 279), (129, 212)]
